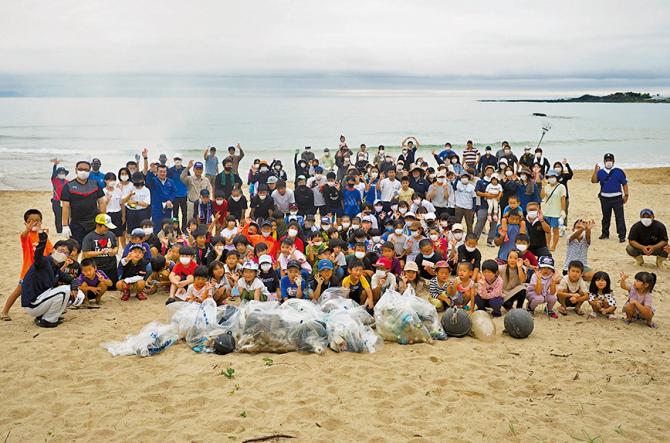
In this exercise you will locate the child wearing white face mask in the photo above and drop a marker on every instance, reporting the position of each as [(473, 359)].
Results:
[(182, 274), (383, 279), (578, 246)]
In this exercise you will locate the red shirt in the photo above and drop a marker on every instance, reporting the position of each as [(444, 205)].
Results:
[(222, 209), (184, 271)]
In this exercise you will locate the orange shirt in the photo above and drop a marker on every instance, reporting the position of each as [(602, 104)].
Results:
[(28, 246)]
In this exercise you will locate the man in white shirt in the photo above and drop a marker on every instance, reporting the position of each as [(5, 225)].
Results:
[(315, 183), (283, 197), (388, 187)]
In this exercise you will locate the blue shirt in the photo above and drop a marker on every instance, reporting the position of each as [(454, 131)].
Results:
[(99, 177), (211, 163), (290, 289), (442, 156), (506, 247), (481, 187), (611, 183), (352, 201), (372, 195), (524, 198), (160, 192), (180, 189)]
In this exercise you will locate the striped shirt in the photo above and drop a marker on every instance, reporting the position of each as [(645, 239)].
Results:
[(470, 157), (435, 289)]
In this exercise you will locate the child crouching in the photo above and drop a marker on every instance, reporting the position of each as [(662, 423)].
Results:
[(490, 293), (601, 298), (542, 287)]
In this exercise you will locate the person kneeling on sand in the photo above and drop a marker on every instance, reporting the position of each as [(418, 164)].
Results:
[(40, 296), (646, 238), (572, 290)]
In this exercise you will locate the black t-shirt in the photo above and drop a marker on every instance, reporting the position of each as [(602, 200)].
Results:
[(262, 207), (134, 269), (474, 257), (536, 235), (655, 233), (334, 282), (97, 242), (419, 260), (235, 208), (270, 280), (83, 201), (332, 196), (154, 242), (202, 254)]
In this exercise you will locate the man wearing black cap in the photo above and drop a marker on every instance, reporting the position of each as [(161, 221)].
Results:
[(82, 200), (418, 182), (58, 181), (96, 174), (648, 237), (613, 196)]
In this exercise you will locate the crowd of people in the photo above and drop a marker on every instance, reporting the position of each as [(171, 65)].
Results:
[(366, 220)]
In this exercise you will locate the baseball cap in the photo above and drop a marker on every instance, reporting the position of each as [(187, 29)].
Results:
[(250, 265), (609, 156), (441, 264), (429, 216), (488, 148), (137, 232), (177, 156), (367, 218), (266, 222), (546, 262), (552, 173), (95, 161), (646, 211), (410, 214), (198, 165), (411, 266), (104, 219), (324, 264), (136, 246), (384, 262), (301, 177), (293, 264), (265, 258), (204, 192), (457, 227), (325, 220), (272, 179), (318, 169)]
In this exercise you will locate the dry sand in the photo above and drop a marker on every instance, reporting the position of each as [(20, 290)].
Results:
[(571, 379)]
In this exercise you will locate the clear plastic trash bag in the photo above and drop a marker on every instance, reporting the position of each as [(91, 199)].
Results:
[(483, 327), (406, 319), (152, 339), (333, 293), (231, 320), (357, 311), (346, 332)]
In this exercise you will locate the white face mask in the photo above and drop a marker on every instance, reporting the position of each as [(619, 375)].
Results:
[(538, 156), (380, 274), (319, 176), (454, 161), (185, 260), (434, 237), (469, 249), (402, 210), (317, 243), (345, 225), (266, 233), (292, 232), (552, 180), (62, 176), (608, 165), (417, 201), (524, 177), (359, 254), (398, 232), (294, 212), (509, 173), (379, 208), (236, 198), (325, 227), (354, 227), (646, 221), (148, 231), (111, 184), (219, 201), (532, 215), (177, 163), (58, 257), (440, 180), (373, 175), (376, 239), (465, 181), (264, 169), (82, 175), (123, 178), (458, 235), (522, 248), (415, 233), (265, 267), (261, 196)]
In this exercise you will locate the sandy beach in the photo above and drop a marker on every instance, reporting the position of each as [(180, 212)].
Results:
[(573, 379)]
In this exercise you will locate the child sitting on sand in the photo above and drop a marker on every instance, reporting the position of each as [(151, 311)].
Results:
[(200, 290), (182, 274), (159, 277), (462, 290), (542, 287), (132, 271), (639, 305), (490, 294), (359, 288), (409, 279), (93, 282), (439, 285), (292, 284), (601, 298), (572, 290), (249, 285)]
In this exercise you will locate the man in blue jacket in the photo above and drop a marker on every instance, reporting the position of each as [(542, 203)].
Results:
[(40, 296), (180, 191), (162, 191), (613, 196)]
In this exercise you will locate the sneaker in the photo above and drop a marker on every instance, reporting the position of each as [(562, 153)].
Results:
[(622, 240), (141, 296), (604, 237), (39, 321), (552, 314), (639, 260), (125, 294)]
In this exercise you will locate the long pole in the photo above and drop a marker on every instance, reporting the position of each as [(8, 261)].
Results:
[(544, 131)]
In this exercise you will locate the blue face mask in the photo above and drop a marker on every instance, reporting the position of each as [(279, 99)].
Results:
[(389, 228)]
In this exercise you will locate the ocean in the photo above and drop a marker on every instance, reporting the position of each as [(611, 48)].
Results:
[(34, 130)]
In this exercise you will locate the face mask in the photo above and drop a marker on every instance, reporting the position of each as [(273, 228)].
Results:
[(277, 167), (398, 231), (379, 208), (62, 176), (469, 249), (538, 156), (552, 180), (294, 212), (111, 184), (522, 248), (646, 221), (417, 201), (359, 254), (454, 161), (345, 225), (434, 237), (58, 257), (458, 235), (380, 274), (261, 196), (558, 169), (376, 239), (608, 165), (524, 177), (264, 169), (177, 163), (185, 260), (148, 231), (509, 173), (532, 215), (414, 233), (292, 232), (444, 224), (123, 178), (236, 198), (82, 175), (440, 180), (373, 175), (402, 210), (266, 267), (465, 181), (354, 227), (266, 233)]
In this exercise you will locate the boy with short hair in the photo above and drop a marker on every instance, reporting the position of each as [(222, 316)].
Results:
[(292, 284), (159, 277), (468, 252), (93, 282), (182, 274), (572, 290), (200, 289), (359, 288), (132, 271), (427, 259)]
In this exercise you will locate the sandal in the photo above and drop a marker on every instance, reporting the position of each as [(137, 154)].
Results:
[(652, 325), (579, 312), (141, 296), (562, 310), (552, 314), (6, 317)]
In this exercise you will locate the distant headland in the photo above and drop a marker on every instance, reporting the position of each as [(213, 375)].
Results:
[(618, 97)]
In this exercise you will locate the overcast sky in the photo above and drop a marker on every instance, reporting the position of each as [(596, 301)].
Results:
[(498, 39)]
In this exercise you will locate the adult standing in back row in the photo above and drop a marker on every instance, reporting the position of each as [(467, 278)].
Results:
[(211, 164), (613, 196), (82, 200)]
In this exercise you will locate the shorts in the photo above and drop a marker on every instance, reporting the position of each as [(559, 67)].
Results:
[(117, 220), (552, 221)]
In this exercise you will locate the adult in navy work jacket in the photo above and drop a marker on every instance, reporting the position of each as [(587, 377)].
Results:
[(180, 201), (613, 195), (162, 191)]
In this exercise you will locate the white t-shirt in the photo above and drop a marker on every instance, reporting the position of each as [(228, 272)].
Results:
[(114, 203), (388, 189), (283, 201), (315, 185), (256, 283), (565, 285), (551, 207), (141, 195), (390, 282)]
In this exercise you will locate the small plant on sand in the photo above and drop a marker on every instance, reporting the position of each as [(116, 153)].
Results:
[(229, 373), (243, 414), (268, 361), (618, 430), (588, 438), (512, 428)]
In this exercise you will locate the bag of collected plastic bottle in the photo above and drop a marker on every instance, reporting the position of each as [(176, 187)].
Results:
[(231, 320), (310, 335), (333, 293), (483, 327), (397, 320), (152, 339), (183, 316), (428, 315), (266, 329), (347, 333), (204, 325), (306, 308), (355, 310)]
